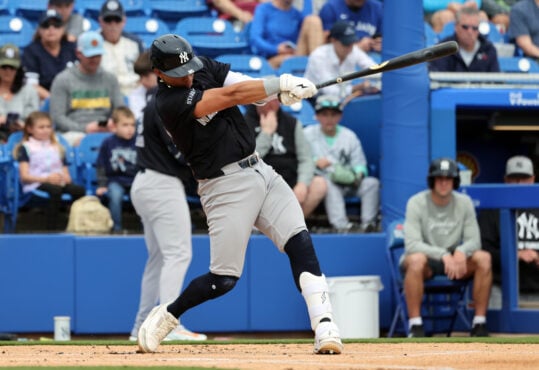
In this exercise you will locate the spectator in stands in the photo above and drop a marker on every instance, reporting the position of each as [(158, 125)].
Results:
[(83, 97), (476, 53), (74, 22), (49, 53), (364, 15), (441, 236), (148, 80), (42, 165), (17, 99), (339, 157), (279, 31), (524, 27), (121, 49), (280, 141), (498, 12), (236, 11), (441, 12), (339, 57), (116, 164), (518, 170)]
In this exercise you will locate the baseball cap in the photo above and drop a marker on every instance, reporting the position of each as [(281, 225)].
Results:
[(50, 15), (519, 166), (60, 2), (90, 44), (10, 56), (327, 102), (112, 8), (344, 32)]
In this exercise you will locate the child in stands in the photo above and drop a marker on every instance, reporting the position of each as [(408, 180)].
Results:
[(42, 165), (116, 164)]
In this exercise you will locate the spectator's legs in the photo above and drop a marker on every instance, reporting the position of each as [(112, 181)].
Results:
[(369, 192), (115, 194), (52, 210), (316, 192), (335, 206), (415, 266), (76, 191), (311, 35), (480, 264)]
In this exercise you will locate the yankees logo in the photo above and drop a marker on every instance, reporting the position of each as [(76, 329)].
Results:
[(184, 57)]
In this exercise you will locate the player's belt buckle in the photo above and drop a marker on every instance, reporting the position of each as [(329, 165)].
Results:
[(249, 161)]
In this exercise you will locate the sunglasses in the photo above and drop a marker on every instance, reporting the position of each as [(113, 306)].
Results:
[(112, 19), (466, 27), (51, 24), (7, 67)]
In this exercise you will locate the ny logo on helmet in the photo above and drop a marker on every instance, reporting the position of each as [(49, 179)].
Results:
[(184, 57)]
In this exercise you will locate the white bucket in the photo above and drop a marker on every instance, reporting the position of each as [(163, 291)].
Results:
[(62, 328), (355, 305)]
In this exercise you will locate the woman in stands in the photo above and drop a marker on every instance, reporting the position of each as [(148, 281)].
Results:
[(17, 100), (42, 165), (49, 53)]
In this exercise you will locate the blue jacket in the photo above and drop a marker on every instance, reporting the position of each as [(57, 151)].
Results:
[(485, 60)]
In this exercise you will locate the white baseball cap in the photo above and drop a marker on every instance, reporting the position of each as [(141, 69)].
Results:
[(519, 166)]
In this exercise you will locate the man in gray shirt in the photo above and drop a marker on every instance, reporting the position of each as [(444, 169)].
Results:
[(83, 96), (441, 236)]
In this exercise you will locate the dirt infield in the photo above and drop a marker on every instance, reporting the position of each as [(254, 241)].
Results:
[(477, 356)]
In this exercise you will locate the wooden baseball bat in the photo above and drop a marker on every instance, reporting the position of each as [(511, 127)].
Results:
[(415, 57)]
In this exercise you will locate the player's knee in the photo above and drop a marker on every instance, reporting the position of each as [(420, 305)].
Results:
[(300, 251), (222, 284)]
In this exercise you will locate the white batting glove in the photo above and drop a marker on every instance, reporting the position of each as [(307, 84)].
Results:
[(297, 87), (287, 99)]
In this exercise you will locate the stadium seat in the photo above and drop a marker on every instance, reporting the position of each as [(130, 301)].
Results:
[(9, 193), (87, 153), (147, 28), (31, 10), (15, 30), (91, 8), (4, 7), (251, 65), (212, 36), (443, 299), (295, 65), (90, 24), (431, 37), (518, 64), (171, 11)]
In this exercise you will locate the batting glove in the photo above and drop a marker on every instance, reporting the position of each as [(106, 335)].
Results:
[(287, 99), (298, 87)]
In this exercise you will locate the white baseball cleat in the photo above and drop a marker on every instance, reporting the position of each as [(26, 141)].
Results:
[(155, 328), (327, 339), (182, 333)]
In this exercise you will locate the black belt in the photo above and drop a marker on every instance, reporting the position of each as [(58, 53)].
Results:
[(250, 161)]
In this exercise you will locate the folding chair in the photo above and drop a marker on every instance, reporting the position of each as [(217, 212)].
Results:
[(212, 37), (443, 299)]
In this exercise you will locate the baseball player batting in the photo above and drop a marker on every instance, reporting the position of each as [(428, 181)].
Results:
[(197, 101)]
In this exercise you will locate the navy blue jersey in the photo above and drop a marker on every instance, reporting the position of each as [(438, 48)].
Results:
[(156, 151), (208, 143), (118, 158)]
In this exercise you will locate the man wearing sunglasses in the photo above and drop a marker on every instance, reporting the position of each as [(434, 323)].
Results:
[(476, 53), (121, 49)]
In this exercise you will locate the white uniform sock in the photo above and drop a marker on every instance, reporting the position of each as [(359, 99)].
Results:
[(415, 321), (479, 320)]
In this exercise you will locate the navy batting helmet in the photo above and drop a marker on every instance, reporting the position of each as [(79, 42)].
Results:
[(445, 167), (173, 55)]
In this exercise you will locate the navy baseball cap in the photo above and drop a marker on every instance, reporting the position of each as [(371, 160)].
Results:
[(50, 15), (344, 32)]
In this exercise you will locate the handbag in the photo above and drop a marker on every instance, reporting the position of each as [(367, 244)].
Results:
[(343, 175)]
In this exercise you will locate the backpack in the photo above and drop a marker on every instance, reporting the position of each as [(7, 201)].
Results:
[(89, 216)]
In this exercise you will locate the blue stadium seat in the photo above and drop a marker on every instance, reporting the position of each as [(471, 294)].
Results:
[(295, 65), (9, 193), (147, 28), (28, 9), (171, 11), (90, 24), (4, 7), (518, 64), (431, 37), (251, 65), (212, 36), (15, 30), (91, 8), (87, 153)]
